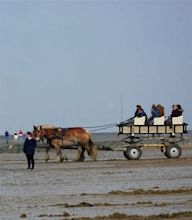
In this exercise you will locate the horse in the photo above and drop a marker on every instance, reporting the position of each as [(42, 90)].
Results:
[(67, 137)]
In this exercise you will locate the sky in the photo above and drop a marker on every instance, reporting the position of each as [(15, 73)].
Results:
[(88, 63)]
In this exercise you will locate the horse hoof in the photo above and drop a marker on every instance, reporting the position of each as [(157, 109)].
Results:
[(65, 158)]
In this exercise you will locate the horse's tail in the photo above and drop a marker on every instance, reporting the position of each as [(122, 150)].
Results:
[(92, 149)]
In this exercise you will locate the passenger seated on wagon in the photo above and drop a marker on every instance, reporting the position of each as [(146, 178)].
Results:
[(155, 112), (138, 113), (161, 110), (176, 112)]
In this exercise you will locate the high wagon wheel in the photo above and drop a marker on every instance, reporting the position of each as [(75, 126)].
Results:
[(173, 151), (132, 153)]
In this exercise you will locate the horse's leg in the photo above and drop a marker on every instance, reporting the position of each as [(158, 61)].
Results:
[(91, 149), (80, 153), (59, 155), (82, 156), (47, 156), (57, 146), (93, 153)]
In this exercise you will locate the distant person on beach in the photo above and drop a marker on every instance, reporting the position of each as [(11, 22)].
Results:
[(15, 136), (20, 134), (7, 136), (29, 149)]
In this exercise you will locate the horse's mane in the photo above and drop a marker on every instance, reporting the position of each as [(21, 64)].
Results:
[(46, 126), (60, 128)]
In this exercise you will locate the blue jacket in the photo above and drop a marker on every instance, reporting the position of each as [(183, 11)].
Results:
[(29, 146), (155, 113), (140, 113)]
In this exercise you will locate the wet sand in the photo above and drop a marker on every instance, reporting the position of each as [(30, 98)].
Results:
[(153, 187)]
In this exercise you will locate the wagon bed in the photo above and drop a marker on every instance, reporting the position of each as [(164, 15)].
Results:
[(163, 136), (152, 129)]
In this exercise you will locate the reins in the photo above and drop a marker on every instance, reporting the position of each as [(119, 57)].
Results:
[(101, 127)]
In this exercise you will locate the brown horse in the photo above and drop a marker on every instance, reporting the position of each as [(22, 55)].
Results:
[(58, 137)]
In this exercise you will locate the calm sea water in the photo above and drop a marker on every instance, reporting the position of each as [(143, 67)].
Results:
[(95, 136)]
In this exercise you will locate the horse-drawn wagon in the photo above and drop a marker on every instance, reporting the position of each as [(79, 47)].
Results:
[(140, 135)]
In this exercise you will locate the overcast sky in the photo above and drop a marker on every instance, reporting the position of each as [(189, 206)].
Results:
[(69, 63)]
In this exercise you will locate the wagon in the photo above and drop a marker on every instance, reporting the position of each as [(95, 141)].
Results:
[(164, 137)]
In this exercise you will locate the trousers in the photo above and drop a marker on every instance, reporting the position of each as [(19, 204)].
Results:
[(30, 161)]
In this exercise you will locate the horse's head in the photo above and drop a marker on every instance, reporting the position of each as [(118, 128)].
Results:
[(38, 133)]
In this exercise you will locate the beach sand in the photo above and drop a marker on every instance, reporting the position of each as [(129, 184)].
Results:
[(153, 187)]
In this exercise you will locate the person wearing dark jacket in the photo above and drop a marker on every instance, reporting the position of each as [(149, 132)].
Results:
[(29, 150), (176, 112), (155, 113), (138, 113)]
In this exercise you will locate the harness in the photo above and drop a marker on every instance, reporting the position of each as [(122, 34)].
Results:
[(58, 136), (59, 133)]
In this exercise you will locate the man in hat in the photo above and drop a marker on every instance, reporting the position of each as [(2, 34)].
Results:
[(29, 149)]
